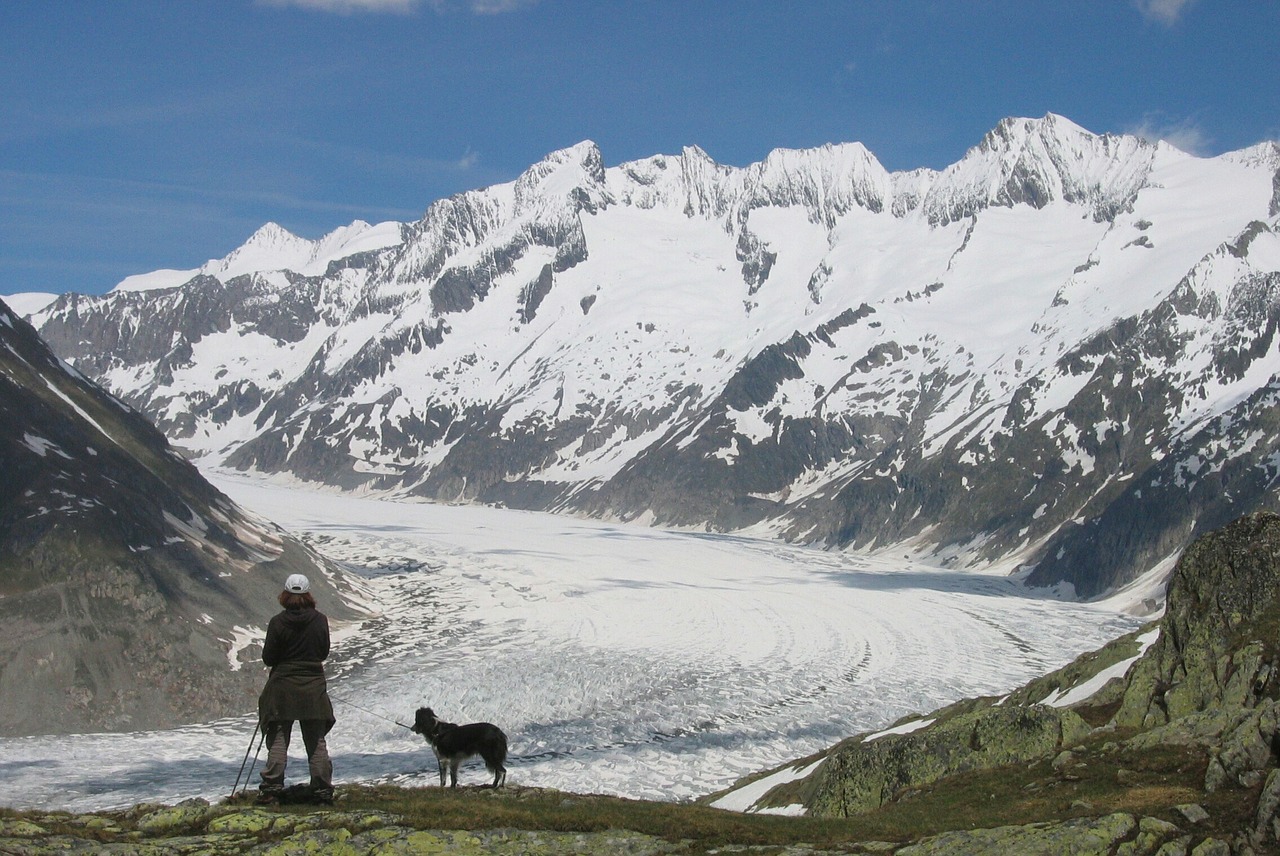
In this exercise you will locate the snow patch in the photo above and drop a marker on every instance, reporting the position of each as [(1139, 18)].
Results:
[(744, 799)]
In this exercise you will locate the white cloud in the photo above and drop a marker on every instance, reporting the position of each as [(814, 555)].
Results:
[(1183, 135), (1166, 12)]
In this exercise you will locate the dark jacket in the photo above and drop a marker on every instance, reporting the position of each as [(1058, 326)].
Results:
[(296, 646), (296, 634)]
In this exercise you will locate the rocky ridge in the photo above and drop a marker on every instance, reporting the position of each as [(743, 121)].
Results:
[(196, 827), (130, 588)]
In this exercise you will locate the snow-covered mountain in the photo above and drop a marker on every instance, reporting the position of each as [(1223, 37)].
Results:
[(1058, 350)]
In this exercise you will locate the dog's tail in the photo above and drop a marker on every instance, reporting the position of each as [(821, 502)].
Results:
[(497, 750)]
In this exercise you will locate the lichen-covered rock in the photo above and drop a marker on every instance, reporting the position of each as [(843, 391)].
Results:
[(1238, 739), (253, 822), (1153, 833), (1268, 806), (1213, 650), (184, 816), (1192, 812), (1212, 847), (1177, 847), (20, 829), (1085, 837), (861, 776), (332, 842)]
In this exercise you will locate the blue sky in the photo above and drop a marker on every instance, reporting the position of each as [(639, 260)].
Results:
[(142, 135)]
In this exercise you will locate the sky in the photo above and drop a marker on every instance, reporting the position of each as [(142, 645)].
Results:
[(137, 135)]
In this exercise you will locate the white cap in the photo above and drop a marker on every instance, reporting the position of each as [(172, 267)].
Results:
[(298, 584)]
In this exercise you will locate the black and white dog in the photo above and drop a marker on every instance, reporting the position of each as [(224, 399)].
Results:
[(454, 744)]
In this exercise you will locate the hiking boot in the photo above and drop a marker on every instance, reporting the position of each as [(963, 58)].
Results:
[(321, 796), (268, 797)]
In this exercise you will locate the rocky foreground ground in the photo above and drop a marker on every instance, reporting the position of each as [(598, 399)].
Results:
[(196, 827), (199, 828)]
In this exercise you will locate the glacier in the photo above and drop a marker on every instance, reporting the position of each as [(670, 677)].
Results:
[(620, 659)]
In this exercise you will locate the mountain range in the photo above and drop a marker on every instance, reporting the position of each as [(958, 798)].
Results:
[(1057, 353)]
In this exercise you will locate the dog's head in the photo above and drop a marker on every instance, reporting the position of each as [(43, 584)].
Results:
[(424, 722)]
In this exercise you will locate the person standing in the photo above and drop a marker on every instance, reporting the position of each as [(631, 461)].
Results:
[(295, 649)]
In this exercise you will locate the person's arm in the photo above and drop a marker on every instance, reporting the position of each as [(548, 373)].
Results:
[(271, 646), (323, 648)]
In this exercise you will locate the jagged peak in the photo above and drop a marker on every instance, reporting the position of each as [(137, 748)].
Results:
[(1265, 154), (696, 153), (1039, 161), (691, 181), (828, 180), (273, 234), (1015, 131), (562, 174), (273, 248)]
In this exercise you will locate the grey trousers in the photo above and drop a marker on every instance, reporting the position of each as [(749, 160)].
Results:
[(277, 740)]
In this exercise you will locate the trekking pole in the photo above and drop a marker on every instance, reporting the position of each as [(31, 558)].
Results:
[(256, 728), (261, 739)]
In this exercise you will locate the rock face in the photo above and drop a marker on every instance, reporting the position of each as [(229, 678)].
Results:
[(868, 774), (1218, 649), (1059, 350), (1203, 681), (130, 588)]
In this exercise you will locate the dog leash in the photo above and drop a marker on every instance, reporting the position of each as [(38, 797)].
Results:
[(370, 712)]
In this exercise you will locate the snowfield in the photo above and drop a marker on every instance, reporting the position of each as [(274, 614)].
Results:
[(618, 659)]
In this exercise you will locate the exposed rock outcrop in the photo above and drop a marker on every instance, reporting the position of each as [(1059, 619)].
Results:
[(866, 774)]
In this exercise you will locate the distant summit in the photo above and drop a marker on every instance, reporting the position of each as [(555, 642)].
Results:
[(274, 248)]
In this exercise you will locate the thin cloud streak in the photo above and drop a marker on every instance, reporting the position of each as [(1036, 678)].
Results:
[(402, 7), (124, 195), (349, 7), (387, 163), (1183, 135), (1165, 12)]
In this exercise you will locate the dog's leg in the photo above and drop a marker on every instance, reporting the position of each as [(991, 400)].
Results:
[(440, 762), (494, 761), (453, 772)]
